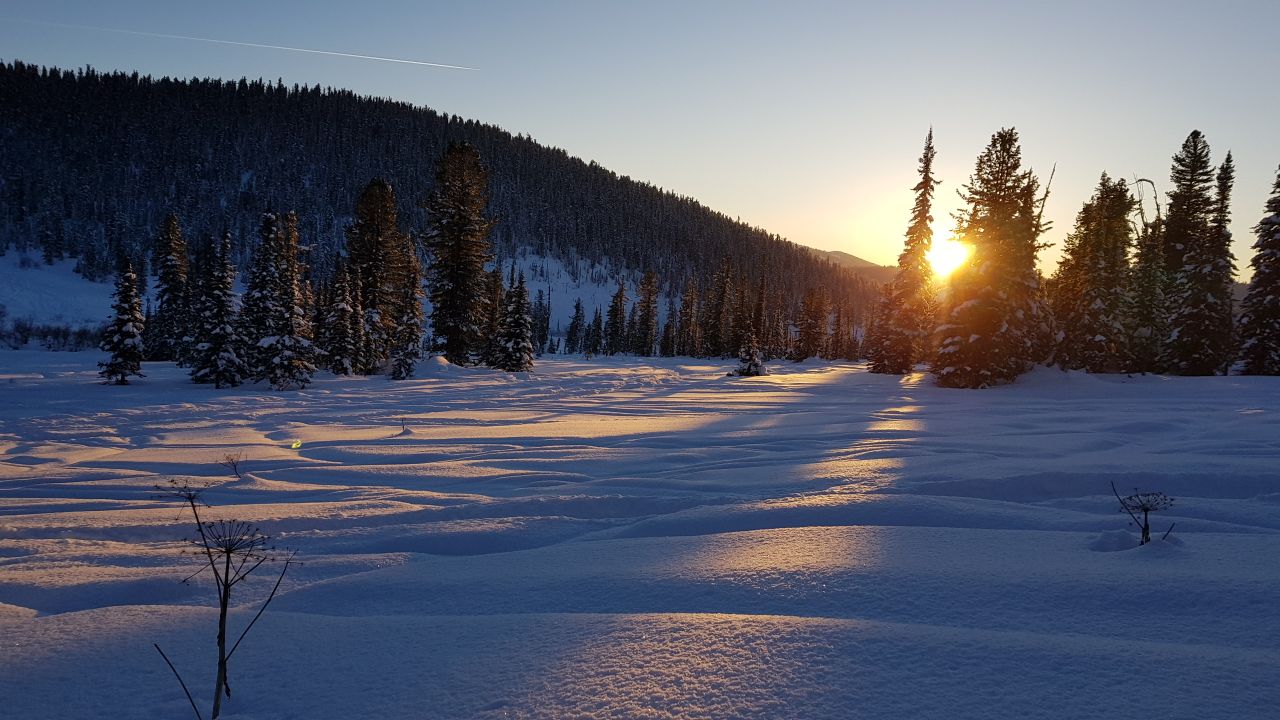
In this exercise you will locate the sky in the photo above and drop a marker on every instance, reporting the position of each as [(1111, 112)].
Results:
[(804, 118)]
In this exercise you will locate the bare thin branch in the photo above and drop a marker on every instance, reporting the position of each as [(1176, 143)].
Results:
[(190, 699), (265, 603)]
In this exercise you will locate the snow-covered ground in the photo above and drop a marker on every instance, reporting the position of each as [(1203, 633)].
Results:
[(647, 539)]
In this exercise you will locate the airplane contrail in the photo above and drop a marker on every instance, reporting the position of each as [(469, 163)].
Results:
[(256, 45)]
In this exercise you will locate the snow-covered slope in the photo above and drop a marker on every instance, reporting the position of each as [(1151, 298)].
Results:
[(647, 539), (51, 294), (56, 295)]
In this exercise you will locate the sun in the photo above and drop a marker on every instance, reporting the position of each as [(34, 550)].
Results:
[(947, 255)]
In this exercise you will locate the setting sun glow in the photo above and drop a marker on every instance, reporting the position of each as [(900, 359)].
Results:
[(946, 255)]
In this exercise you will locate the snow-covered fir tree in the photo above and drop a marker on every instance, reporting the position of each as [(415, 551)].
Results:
[(905, 319), (517, 330), (1201, 324), (1091, 295), (379, 254), (1260, 316), (375, 331), (341, 345), (275, 326), (457, 237), (218, 357), (406, 340), (750, 359), (491, 318), (289, 355), (168, 322), (123, 337), (262, 315), (594, 343), (995, 325)]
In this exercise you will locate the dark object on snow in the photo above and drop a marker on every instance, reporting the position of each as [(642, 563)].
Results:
[(1145, 503)]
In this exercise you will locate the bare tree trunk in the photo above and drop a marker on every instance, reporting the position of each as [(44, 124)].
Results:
[(221, 684)]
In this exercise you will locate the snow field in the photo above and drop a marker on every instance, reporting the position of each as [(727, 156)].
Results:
[(647, 538)]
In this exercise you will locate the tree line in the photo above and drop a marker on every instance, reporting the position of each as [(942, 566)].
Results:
[(1132, 293), (94, 162)]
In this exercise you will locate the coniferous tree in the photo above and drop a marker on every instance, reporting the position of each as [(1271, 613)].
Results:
[(813, 325), (573, 339), (689, 342), (341, 345), (517, 330), (631, 343), (123, 337), (172, 268), (1260, 316), (750, 359), (378, 254), (670, 331), (187, 352), (274, 323), (615, 327), (905, 321), (996, 326), (288, 355), (1091, 298), (218, 354), (406, 340), (491, 322), (1148, 323), (541, 313), (647, 315), (458, 238), (1201, 325), (262, 315), (596, 338)]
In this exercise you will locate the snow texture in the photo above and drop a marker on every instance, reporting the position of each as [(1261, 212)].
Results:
[(647, 539)]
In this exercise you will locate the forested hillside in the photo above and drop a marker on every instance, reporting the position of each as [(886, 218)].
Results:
[(92, 162)]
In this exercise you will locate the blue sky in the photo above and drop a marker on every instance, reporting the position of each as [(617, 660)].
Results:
[(805, 118)]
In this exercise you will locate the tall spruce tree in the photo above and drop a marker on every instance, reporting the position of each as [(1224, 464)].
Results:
[(123, 337), (168, 323), (517, 330), (1091, 293), (1201, 325), (275, 325), (262, 315), (1260, 316), (615, 326), (689, 342), (379, 254), (573, 338), (905, 321), (491, 320), (995, 325), (1148, 318), (814, 324), (596, 339), (670, 330), (341, 345), (406, 339), (457, 237), (219, 352), (646, 338)]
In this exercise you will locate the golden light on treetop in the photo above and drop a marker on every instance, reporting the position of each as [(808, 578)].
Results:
[(948, 254)]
